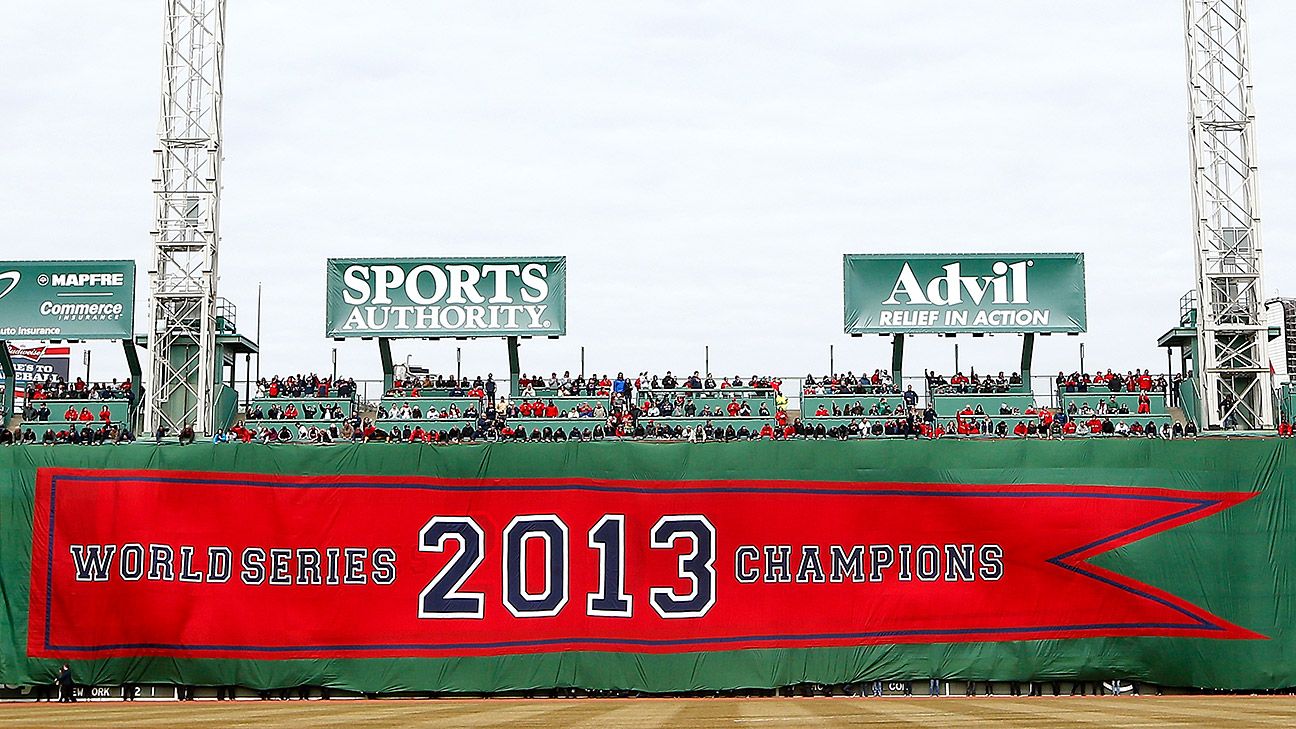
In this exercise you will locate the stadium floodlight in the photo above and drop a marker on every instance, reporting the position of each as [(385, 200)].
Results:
[(183, 366), (1233, 379)]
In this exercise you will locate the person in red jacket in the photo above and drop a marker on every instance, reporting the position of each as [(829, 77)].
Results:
[(105, 414), (71, 414), (551, 410), (733, 408), (767, 431), (1019, 429), (86, 416), (822, 411), (1144, 403)]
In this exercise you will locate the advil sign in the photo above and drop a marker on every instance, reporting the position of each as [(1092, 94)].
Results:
[(402, 297), (1040, 292)]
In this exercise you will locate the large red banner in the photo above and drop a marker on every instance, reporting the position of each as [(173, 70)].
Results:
[(258, 566)]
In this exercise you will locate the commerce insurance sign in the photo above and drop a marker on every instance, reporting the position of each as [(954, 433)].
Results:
[(67, 299), (958, 293), (451, 297)]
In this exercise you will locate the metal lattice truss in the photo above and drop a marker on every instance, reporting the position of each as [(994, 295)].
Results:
[(182, 335), (1233, 369)]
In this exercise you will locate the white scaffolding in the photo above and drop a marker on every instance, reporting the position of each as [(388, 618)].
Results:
[(186, 237), (1232, 371)]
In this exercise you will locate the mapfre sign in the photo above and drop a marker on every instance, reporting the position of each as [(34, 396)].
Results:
[(979, 293), (67, 299), (432, 297)]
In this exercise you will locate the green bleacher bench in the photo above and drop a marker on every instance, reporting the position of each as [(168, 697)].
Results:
[(444, 424), (1157, 400), (947, 406), (251, 424), (752, 396), (564, 404), (39, 427), (119, 408), (501, 388), (1158, 418), (265, 403), (754, 423), (439, 403), (810, 403), (832, 421)]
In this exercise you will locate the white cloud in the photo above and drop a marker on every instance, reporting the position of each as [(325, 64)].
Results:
[(702, 165)]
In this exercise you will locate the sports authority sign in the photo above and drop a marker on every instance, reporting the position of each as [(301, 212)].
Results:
[(974, 292), (67, 299), (409, 297), (267, 567)]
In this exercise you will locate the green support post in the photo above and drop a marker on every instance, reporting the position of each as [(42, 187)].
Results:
[(137, 382), (897, 359), (1028, 352), (11, 382), (514, 369), (388, 368)]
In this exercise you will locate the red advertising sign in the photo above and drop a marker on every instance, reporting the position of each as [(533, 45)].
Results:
[(257, 566)]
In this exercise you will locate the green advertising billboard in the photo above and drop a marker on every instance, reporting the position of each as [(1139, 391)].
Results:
[(67, 299), (968, 292), (446, 297)]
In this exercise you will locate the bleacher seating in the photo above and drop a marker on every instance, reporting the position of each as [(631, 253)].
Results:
[(118, 408), (438, 403), (57, 420), (753, 423), (950, 404), (1157, 418), (886, 404), (714, 399), (444, 424), (296, 428), (1156, 400), (346, 405)]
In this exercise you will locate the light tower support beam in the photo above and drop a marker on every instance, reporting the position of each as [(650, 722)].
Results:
[(1233, 378), (186, 237)]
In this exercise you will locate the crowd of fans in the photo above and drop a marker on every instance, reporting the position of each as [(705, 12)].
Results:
[(58, 388), (74, 433), (879, 383), (938, 384), (290, 411), (645, 407), (1132, 381), (305, 386)]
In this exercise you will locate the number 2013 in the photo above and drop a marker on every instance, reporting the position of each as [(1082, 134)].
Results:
[(444, 596)]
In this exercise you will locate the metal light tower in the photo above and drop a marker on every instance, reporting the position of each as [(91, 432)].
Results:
[(1232, 370), (182, 332)]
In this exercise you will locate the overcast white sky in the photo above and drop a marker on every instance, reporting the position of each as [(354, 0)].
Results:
[(703, 166)]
